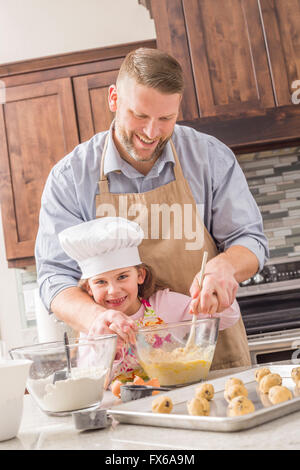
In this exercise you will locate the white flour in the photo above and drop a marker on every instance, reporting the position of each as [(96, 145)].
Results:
[(84, 388)]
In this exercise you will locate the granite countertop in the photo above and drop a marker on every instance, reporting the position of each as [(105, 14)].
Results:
[(39, 431)]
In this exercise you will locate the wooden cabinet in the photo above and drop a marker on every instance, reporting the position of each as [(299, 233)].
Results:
[(240, 59), (38, 127), (222, 47), (51, 105), (281, 20), (91, 94)]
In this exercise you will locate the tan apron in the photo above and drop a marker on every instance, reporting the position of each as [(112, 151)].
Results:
[(175, 239)]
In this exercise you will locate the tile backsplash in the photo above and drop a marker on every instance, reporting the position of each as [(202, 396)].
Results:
[(273, 177)]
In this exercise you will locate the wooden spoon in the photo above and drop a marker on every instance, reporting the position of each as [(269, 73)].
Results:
[(191, 339)]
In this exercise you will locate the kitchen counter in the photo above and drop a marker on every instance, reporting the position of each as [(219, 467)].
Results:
[(40, 432)]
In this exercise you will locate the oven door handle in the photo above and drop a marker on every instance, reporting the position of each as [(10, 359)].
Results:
[(292, 342)]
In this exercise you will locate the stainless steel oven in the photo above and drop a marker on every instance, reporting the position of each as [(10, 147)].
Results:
[(270, 306)]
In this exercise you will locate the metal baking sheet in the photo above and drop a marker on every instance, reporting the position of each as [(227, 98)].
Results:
[(139, 411)]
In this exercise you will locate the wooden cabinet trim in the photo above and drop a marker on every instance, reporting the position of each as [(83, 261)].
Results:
[(274, 128), (63, 72), (72, 58)]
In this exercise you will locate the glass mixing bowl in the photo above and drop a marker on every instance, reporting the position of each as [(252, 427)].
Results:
[(163, 353), (64, 378)]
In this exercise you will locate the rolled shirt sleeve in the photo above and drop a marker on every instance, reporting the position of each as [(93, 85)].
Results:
[(59, 209), (236, 219)]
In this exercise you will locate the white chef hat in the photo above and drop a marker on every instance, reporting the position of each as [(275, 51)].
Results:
[(103, 244)]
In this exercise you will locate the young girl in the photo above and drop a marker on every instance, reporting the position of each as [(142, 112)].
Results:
[(106, 250)]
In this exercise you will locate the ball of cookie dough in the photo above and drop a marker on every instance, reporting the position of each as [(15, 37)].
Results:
[(260, 373), (269, 381), (162, 404), (205, 391), (296, 375), (240, 406), (235, 391), (279, 394), (198, 407), (233, 381)]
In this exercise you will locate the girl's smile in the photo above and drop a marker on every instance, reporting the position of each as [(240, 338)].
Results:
[(116, 301)]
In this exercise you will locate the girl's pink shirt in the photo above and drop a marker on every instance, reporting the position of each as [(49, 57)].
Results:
[(174, 307)]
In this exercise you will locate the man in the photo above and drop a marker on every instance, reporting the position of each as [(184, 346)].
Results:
[(138, 171)]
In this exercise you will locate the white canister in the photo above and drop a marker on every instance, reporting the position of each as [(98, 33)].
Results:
[(13, 376), (48, 327)]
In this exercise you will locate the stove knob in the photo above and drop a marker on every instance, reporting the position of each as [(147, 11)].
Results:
[(258, 278)]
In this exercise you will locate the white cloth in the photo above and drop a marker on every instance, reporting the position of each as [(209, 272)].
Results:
[(103, 244)]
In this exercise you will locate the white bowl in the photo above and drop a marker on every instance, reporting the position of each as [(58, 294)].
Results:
[(13, 376)]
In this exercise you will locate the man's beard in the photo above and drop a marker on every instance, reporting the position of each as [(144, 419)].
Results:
[(126, 141)]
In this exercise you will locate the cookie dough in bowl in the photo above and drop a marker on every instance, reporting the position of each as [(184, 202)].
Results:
[(178, 366)]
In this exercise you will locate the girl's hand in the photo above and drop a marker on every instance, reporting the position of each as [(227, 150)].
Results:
[(114, 322)]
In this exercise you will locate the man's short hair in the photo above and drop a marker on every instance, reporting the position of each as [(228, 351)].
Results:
[(153, 68)]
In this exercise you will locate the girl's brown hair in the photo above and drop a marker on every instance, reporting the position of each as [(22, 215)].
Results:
[(150, 285)]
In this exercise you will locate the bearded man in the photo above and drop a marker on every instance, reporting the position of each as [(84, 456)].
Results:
[(183, 187)]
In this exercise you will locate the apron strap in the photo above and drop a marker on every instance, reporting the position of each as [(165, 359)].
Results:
[(103, 182), (178, 173)]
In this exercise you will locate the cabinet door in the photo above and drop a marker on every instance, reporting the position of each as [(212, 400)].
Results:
[(281, 19), (91, 94), (37, 128), (171, 37), (221, 44)]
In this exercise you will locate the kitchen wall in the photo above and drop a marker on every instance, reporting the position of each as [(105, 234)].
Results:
[(10, 319), (274, 180), (38, 28)]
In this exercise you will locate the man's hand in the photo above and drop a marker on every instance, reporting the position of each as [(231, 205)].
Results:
[(220, 282), (114, 322), (218, 293)]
